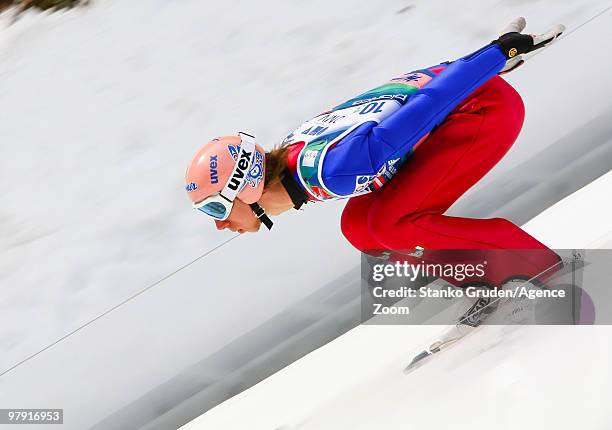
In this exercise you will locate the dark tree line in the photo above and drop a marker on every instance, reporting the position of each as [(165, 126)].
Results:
[(39, 4)]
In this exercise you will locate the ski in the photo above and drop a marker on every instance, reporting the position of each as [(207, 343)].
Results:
[(478, 313)]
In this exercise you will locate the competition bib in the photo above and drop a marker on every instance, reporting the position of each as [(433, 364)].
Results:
[(323, 131)]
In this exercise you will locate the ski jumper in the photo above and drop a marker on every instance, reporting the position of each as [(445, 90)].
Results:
[(404, 152)]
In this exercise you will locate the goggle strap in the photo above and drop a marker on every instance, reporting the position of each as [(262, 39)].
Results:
[(247, 144), (225, 198)]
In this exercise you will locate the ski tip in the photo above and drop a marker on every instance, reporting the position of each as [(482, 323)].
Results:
[(411, 367), (417, 361)]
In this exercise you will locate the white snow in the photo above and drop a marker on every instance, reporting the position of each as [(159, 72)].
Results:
[(584, 218)]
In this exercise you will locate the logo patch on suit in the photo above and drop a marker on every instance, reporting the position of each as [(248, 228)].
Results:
[(309, 158)]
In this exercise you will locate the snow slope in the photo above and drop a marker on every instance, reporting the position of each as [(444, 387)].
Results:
[(505, 377), (104, 106)]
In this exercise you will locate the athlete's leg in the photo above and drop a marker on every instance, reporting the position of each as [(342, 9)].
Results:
[(408, 211), (354, 223)]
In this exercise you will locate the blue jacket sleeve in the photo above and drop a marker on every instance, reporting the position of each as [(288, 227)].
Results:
[(370, 145)]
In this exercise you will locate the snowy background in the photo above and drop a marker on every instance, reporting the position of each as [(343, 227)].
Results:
[(102, 108)]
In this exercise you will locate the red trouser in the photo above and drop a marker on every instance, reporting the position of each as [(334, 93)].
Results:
[(409, 210)]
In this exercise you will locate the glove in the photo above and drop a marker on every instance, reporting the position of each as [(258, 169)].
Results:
[(513, 44)]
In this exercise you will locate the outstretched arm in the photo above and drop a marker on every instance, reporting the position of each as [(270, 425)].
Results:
[(425, 110), (397, 135), (432, 104)]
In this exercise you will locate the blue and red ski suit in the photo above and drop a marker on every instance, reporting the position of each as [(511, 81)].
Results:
[(404, 152)]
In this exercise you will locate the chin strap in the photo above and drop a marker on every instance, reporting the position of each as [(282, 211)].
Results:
[(261, 214), (297, 194)]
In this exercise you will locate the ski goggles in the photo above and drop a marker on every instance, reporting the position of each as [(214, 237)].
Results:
[(219, 205)]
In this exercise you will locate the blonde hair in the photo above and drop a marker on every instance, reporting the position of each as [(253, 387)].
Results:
[(276, 162)]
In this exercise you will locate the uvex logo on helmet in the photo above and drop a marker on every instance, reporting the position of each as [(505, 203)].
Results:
[(214, 173), (237, 178)]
